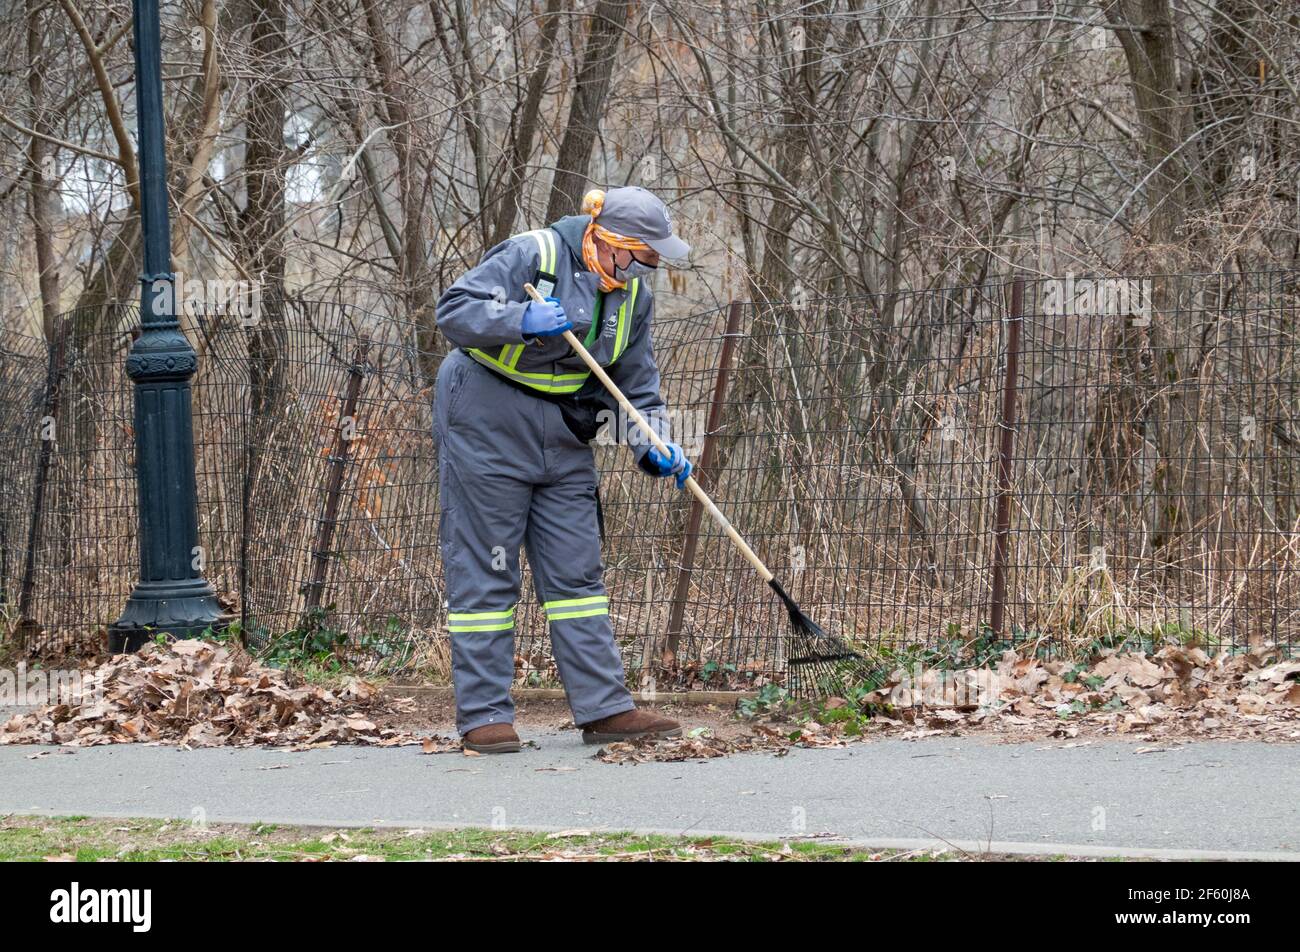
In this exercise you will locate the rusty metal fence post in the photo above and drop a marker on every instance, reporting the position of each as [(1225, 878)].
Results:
[(1006, 463), (338, 460), (703, 476)]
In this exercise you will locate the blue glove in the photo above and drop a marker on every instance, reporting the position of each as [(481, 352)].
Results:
[(545, 320), (678, 465)]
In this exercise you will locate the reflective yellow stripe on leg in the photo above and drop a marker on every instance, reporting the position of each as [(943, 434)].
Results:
[(481, 621), (585, 607)]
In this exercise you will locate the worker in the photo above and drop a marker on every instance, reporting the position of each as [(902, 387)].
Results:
[(516, 410)]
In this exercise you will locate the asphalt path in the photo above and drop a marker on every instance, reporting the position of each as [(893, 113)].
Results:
[(1110, 798)]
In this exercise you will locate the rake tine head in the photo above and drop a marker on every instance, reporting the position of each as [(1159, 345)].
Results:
[(820, 664)]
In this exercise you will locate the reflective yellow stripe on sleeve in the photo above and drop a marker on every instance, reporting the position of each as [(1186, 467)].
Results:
[(545, 239), (506, 362)]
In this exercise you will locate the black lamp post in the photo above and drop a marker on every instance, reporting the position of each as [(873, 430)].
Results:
[(172, 595)]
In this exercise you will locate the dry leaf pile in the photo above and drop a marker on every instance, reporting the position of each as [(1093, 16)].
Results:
[(707, 746), (198, 694), (1177, 693)]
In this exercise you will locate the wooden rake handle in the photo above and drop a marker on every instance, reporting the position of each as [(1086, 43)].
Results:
[(635, 415)]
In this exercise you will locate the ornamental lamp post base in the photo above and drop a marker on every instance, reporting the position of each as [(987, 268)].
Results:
[(179, 610)]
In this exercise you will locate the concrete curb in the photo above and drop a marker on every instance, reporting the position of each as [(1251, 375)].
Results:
[(974, 848)]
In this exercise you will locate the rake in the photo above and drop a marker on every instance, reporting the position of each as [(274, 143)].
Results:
[(819, 663)]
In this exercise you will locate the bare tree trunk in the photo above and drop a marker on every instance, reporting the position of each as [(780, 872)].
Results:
[(776, 275), (209, 84), (1146, 31), (511, 192), (41, 198), (413, 264), (591, 89), (467, 83), (262, 228), (263, 218)]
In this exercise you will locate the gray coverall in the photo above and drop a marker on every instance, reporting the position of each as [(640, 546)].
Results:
[(515, 468)]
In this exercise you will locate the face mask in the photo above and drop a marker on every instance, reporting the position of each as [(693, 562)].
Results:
[(634, 269)]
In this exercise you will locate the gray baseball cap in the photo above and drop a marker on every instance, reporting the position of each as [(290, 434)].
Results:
[(635, 213)]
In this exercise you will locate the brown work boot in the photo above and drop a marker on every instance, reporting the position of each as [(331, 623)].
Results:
[(628, 726), (492, 739)]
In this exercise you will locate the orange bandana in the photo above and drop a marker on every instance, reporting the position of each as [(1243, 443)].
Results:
[(591, 205)]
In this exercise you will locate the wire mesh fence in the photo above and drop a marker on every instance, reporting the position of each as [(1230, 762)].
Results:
[(1114, 458), (1147, 427)]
